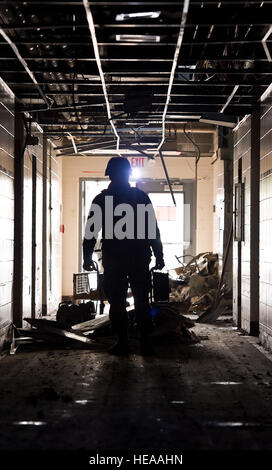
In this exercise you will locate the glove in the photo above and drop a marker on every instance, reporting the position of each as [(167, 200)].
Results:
[(159, 264), (89, 266)]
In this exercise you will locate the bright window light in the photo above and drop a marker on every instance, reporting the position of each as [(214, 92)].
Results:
[(142, 14), (135, 174), (137, 38)]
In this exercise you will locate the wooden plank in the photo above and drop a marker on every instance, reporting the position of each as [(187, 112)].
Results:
[(98, 322), (56, 328)]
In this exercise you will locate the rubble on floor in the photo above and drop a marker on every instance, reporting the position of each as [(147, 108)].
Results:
[(197, 284), (167, 319), (69, 314), (197, 289)]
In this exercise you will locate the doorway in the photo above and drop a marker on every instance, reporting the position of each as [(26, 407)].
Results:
[(170, 219), (170, 222), (88, 189)]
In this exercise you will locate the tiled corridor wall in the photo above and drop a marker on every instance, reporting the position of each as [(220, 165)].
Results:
[(6, 204), (266, 224), (53, 208), (53, 237), (204, 205), (222, 210), (242, 150), (54, 221), (30, 153), (218, 208)]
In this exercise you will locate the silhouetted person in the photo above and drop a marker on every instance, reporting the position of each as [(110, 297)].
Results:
[(125, 255)]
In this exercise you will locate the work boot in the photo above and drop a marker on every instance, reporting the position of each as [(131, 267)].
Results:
[(146, 345), (121, 348)]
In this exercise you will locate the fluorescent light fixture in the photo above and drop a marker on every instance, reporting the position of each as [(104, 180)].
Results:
[(137, 38), (29, 423), (218, 123), (192, 67), (182, 116), (145, 143), (219, 119), (141, 14)]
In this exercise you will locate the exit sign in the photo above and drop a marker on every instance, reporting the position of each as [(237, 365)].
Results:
[(137, 162)]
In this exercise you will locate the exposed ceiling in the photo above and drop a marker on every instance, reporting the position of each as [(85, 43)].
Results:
[(156, 66)]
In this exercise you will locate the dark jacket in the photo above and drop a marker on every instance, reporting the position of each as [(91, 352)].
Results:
[(114, 247)]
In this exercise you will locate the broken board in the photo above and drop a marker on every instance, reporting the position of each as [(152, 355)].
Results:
[(99, 322), (55, 328)]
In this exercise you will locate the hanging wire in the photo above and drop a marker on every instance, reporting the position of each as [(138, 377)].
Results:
[(193, 142)]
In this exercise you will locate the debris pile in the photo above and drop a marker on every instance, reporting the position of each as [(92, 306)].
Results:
[(166, 316), (197, 283), (46, 331), (69, 314), (168, 320)]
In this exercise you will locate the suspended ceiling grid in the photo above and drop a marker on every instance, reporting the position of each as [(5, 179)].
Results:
[(223, 65)]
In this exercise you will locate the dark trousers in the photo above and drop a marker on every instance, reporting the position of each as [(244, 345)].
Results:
[(117, 274)]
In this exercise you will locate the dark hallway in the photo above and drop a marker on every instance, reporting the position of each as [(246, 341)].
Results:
[(213, 395), (125, 340)]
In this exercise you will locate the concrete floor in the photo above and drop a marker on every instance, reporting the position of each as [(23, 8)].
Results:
[(212, 395)]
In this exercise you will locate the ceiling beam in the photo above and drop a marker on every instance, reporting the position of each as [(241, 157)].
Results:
[(52, 27), (128, 4), (42, 41), (90, 21), (126, 59), (265, 69)]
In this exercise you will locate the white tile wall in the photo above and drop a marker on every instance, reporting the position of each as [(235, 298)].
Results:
[(6, 202), (266, 224), (242, 149)]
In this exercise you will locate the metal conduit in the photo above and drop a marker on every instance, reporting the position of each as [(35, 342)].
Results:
[(24, 64), (174, 65), (98, 62)]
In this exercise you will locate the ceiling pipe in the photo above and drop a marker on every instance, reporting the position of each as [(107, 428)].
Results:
[(207, 130), (61, 108), (24, 64), (84, 144), (167, 177), (81, 149), (173, 69), (99, 66), (73, 142)]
